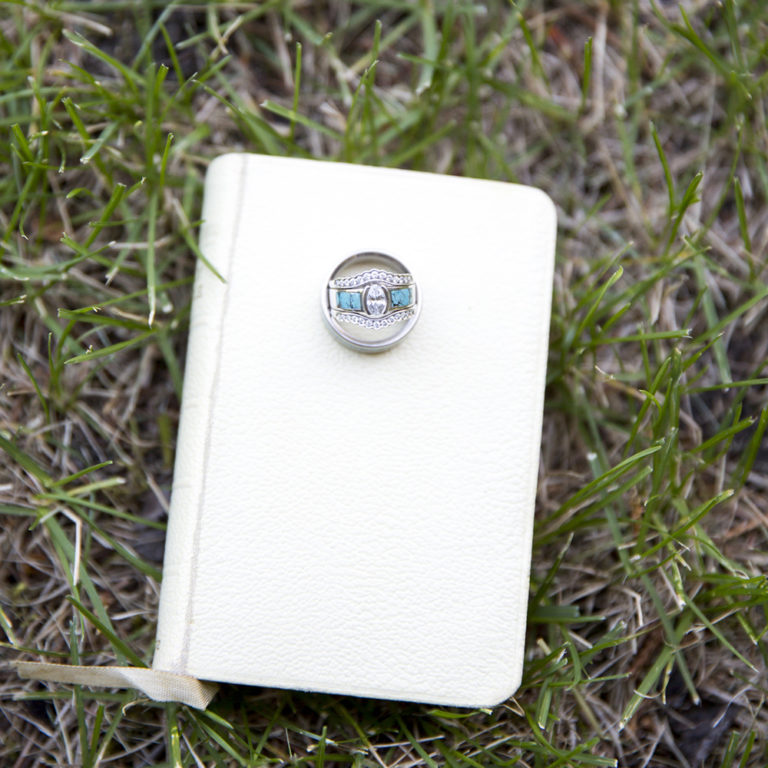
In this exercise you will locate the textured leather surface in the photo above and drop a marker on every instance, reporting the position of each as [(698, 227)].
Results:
[(359, 523)]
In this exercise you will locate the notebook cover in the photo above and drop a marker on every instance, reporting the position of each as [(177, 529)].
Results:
[(354, 523)]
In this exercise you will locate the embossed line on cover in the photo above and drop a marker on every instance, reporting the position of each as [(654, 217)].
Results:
[(211, 408)]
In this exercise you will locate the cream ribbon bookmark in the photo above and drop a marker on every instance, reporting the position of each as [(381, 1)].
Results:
[(154, 683)]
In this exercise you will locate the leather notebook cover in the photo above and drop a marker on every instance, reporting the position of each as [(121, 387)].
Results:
[(354, 523)]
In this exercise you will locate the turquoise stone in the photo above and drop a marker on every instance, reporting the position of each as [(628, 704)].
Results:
[(401, 297), (348, 300)]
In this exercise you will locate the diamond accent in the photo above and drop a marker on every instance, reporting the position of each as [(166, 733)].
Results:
[(371, 276), (368, 322)]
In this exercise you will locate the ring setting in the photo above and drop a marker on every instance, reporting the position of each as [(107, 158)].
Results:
[(373, 299), (371, 302)]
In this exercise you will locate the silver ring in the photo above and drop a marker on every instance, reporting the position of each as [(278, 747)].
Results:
[(371, 302)]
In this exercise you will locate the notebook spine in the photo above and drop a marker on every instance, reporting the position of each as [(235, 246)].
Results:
[(218, 232)]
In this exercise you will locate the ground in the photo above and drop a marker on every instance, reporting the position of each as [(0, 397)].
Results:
[(646, 124)]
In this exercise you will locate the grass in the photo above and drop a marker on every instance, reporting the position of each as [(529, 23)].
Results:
[(645, 122)]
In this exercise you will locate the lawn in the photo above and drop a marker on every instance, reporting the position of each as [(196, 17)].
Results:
[(644, 121)]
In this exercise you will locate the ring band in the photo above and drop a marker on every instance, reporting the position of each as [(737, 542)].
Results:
[(373, 308)]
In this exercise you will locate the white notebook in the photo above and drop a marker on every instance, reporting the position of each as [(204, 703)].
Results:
[(351, 523), (346, 522)]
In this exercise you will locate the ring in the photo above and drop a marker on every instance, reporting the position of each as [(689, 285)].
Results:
[(371, 302)]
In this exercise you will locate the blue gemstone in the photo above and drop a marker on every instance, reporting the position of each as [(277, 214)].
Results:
[(348, 300), (401, 297)]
